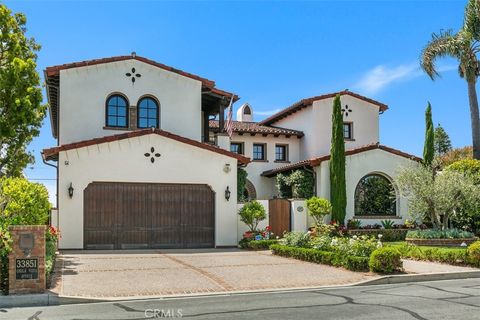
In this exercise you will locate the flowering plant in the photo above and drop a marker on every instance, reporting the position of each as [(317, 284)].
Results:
[(52, 234)]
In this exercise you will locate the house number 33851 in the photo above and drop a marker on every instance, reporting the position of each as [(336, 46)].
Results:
[(26, 263)]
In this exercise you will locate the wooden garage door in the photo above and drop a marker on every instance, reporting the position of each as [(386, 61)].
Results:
[(146, 215)]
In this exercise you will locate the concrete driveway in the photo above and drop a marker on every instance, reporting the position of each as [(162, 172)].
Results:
[(120, 274)]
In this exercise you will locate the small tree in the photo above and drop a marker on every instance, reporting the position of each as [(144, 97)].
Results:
[(439, 197), (338, 189), (252, 213), (318, 208), (442, 143), (428, 148)]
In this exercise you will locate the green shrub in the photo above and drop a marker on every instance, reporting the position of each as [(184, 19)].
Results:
[(26, 203), (439, 234), (467, 166), (354, 224), (455, 256), (257, 244), (318, 208), (385, 260), (324, 257), (296, 239), (251, 214), (473, 254), (283, 186), (302, 183)]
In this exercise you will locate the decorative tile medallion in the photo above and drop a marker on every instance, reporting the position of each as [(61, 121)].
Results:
[(152, 155), (132, 75)]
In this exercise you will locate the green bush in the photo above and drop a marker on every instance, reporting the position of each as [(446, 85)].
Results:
[(467, 166), (283, 186), (26, 203), (439, 234), (251, 214), (261, 244), (318, 208), (296, 239), (385, 260), (454, 256), (473, 254), (298, 184), (324, 257)]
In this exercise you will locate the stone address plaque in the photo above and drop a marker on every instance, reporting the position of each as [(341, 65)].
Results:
[(26, 269)]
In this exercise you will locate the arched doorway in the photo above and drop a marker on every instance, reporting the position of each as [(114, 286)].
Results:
[(375, 195), (249, 193)]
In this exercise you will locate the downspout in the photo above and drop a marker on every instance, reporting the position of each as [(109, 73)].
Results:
[(56, 193), (314, 179)]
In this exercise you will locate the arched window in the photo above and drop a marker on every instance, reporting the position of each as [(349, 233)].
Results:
[(147, 113), (117, 111), (375, 195), (247, 110)]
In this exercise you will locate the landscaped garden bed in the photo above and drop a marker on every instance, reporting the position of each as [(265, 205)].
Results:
[(445, 238)]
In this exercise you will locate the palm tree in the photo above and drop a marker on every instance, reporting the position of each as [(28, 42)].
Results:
[(464, 46)]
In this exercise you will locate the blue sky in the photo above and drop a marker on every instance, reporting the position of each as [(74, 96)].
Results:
[(271, 53)]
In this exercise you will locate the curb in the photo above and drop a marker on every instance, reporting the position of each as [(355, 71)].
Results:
[(49, 299), (406, 278)]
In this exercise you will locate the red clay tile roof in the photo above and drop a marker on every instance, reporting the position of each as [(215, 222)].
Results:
[(308, 102), (254, 127), (52, 153), (315, 162), (55, 70), (52, 79)]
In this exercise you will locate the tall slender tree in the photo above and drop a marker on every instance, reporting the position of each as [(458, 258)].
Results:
[(441, 141), (428, 147), (464, 46), (338, 192)]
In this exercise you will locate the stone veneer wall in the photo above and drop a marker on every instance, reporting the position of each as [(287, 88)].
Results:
[(38, 251)]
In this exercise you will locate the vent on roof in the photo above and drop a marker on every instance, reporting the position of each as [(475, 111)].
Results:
[(245, 113)]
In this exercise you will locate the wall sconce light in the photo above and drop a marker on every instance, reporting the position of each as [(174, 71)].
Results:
[(227, 168), (227, 193), (70, 190)]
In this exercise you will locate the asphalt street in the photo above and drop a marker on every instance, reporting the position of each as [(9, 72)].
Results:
[(448, 299)]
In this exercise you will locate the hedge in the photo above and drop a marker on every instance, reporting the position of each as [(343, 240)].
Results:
[(4, 274), (324, 257), (257, 244), (455, 256)]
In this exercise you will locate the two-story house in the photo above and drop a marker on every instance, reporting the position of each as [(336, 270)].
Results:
[(141, 162), (133, 166), (299, 137)]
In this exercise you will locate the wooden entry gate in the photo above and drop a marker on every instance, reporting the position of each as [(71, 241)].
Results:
[(121, 215), (279, 216)]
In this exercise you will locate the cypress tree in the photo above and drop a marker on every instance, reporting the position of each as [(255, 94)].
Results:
[(428, 148), (338, 193)]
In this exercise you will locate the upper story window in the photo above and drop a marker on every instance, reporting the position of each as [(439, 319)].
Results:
[(236, 147), (348, 130), (281, 152), (259, 152), (117, 111), (147, 113)]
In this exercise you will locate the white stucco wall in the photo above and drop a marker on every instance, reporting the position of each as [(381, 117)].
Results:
[(83, 94), (360, 165), (124, 161), (265, 187), (316, 122)]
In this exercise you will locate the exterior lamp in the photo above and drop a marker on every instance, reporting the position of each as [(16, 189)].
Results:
[(227, 193), (70, 190)]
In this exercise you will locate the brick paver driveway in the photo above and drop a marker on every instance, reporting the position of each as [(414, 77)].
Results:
[(177, 272)]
